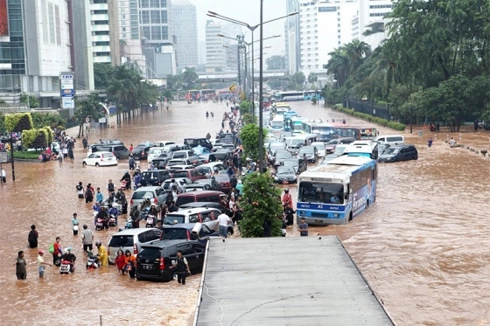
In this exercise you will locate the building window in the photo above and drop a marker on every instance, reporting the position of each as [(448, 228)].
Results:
[(164, 32), (156, 33), (146, 32), (155, 17), (145, 17), (163, 3), (154, 3), (144, 3), (163, 14)]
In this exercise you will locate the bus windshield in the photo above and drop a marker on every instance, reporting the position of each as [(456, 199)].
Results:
[(326, 193)]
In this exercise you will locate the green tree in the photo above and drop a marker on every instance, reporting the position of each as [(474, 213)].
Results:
[(174, 82), (189, 78), (87, 108), (297, 80), (245, 107), (276, 62), (312, 78), (261, 207), (250, 140), (102, 73), (18, 122), (30, 100)]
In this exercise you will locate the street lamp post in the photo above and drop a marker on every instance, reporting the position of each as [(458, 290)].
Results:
[(411, 123), (252, 29)]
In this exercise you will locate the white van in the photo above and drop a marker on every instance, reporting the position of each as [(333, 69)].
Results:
[(392, 140), (131, 240)]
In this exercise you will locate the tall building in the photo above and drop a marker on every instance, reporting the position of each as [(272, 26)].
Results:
[(186, 48), (81, 53), (221, 52), (292, 37), (129, 34), (157, 38), (324, 26), (369, 23), (105, 31)]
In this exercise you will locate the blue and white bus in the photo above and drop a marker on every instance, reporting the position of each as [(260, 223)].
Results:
[(324, 130), (277, 124), (289, 96), (338, 191)]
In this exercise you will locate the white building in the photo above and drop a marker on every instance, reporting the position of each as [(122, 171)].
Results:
[(292, 38), (369, 24), (129, 33), (105, 31), (324, 26), (184, 14)]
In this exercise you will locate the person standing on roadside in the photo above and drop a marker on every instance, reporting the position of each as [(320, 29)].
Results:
[(303, 227), (131, 162), (75, 224), (41, 264), (20, 266), (4, 176), (182, 268), (287, 199), (223, 220), (87, 238), (110, 187), (32, 237), (89, 194), (57, 251)]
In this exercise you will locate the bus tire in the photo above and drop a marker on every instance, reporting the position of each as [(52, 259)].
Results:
[(367, 203)]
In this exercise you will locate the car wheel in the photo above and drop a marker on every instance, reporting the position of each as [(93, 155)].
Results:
[(416, 157), (230, 230), (84, 163), (174, 276), (97, 164)]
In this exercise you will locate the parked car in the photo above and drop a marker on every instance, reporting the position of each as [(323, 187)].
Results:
[(285, 175), (392, 140), (192, 174), (224, 181), (155, 260), (178, 167), (213, 184), (320, 146), (140, 152), (197, 187), (399, 153), (182, 181), (280, 155), (119, 150), (298, 164), (200, 141), (382, 147), (160, 162), (153, 153), (195, 196), (207, 204), (187, 231), (208, 216), (208, 168), (187, 154), (157, 195), (100, 159), (310, 152), (154, 177), (330, 146), (163, 143), (171, 164), (132, 240)]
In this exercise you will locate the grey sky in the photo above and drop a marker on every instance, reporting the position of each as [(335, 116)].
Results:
[(247, 11)]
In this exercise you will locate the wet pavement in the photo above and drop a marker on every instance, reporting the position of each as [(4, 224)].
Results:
[(422, 246)]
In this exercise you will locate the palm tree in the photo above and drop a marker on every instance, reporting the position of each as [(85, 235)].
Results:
[(338, 65), (356, 51)]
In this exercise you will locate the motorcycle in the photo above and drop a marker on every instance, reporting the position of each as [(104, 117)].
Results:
[(92, 261), (129, 223), (66, 266), (99, 224), (150, 221), (112, 220)]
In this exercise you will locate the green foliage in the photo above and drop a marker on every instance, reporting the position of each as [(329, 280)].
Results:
[(29, 99), (250, 140), (31, 155), (189, 78), (167, 93), (296, 81), (18, 122), (276, 62), (382, 122), (52, 120), (174, 82), (102, 72), (89, 107), (248, 118), (261, 205), (35, 138), (245, 107)]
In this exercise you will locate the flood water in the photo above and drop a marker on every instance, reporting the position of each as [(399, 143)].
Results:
[(423, 246)]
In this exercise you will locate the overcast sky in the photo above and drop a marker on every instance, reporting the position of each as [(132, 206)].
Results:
[(247, 11)]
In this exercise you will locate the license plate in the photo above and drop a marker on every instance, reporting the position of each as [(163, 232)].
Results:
[(146, 266), (110, 158), (285, 182)]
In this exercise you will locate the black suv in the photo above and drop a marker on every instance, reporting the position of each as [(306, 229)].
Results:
[(154, 261), (154, 177), (140, 152), (399, 153), (194, 142)]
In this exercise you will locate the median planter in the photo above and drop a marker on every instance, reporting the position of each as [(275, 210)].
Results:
[(484, 152)]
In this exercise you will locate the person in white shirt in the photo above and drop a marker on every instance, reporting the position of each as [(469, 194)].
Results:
[(223, 220), (4, 176)]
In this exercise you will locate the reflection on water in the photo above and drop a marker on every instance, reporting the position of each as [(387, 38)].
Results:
[(422, 246)]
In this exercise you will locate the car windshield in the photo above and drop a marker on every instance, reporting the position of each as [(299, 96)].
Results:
[(295, 142), (172, 219), (142, 194), (283, 154), (321, 192), (319, 146), (285, 170), (290, 163), (181, 174), (174, 233), (333, 142), (121, 241), (155, 151), (391, 150), (306, 150), (339, 149)]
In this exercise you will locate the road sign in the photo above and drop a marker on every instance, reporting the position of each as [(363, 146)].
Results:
[(4, 158), (232, 87)]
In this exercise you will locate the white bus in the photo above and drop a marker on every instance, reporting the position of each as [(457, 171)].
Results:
[(338, 191), (363, 147), (277, 124)]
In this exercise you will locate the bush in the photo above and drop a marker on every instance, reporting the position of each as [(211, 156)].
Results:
[(31, 155), (380, 121)]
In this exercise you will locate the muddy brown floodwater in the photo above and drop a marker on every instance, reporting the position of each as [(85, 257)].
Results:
[(423, 246)]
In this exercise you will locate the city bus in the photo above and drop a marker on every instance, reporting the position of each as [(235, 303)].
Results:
[(277, 124), (289, 96), (344, 130), (338, 191), (323, 130), (309, 95)]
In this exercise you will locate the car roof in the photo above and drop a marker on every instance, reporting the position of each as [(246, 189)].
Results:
[(103, 152), (199, 204), (208, 192), (193, 210), (133, 231), (168, 243), (147, 188)]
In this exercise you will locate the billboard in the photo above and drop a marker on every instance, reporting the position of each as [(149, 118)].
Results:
[(4, 21)]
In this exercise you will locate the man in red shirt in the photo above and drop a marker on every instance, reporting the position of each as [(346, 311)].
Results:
[(287, 199)]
